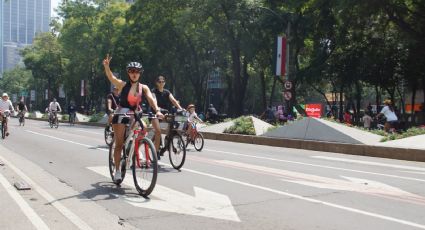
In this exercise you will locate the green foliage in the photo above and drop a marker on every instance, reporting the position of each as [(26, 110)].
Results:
[(414, 131), (242, 125), (16, 81), (96, 117), (351, 47), (65, 117)]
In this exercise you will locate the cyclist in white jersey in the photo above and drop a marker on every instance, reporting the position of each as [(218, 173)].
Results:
[(6, 107), (54, 107)]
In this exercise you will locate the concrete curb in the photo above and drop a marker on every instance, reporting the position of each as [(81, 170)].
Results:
[(351, 149)]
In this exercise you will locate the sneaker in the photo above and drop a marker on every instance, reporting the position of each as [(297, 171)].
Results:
[(117, 176)]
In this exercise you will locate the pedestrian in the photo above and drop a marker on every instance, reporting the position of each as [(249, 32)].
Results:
[(367, 120)]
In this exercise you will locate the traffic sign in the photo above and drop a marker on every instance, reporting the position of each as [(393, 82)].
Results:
[(288, 85), (287, 95)]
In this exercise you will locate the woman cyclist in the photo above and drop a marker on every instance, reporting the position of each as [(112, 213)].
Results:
[(130, 98)]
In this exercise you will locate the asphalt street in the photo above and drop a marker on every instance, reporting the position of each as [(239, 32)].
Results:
[(226, 186)]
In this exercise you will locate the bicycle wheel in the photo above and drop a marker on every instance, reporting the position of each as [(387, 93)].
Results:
[(56, 122), (109, 135), (51, 123), (23, 121), (3, 129), (145, 167), (112, 164), (198, 142), (177, 151)]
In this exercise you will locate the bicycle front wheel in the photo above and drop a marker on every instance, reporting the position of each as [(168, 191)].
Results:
[(109, 135), (199, 142), (56, 122), (145, 167), (177, 150), (3, 130), (112, 164), (51, 123)]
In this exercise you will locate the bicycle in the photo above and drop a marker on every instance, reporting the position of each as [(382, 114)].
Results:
[(53, 120), (109, 134), (4, 116), (138, 153), (72, 118), (198, 138), (21, 117), (173, 143)]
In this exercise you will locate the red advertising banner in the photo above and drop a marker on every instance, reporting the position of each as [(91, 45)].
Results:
[(313, 110)]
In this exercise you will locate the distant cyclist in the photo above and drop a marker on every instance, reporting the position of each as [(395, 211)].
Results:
[(112, 101), (165, 100), (6, 107), (72, 109), (130, 99), (21, 108), (54, 108)]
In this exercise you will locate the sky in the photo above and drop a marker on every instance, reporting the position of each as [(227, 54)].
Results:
[(53, 6)]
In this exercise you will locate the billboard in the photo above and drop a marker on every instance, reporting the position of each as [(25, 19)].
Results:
[(313, 110)]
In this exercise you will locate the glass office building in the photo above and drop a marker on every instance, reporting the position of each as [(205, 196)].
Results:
[(21, 20)]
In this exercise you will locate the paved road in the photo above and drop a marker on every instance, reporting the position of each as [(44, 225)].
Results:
[(226, 186)]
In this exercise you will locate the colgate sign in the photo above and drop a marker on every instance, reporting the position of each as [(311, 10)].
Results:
[(313, 110)]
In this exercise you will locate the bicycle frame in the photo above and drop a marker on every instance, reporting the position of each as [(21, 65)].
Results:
[(136, 135)]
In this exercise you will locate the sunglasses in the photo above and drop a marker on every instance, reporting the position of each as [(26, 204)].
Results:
[(161, 82), (133, 71)]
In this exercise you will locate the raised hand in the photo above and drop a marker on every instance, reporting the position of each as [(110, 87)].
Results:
[(107, 60)]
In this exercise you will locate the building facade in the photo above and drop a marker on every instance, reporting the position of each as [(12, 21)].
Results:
[(20, 21)]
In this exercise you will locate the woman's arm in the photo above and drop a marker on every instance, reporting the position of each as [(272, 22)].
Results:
[(152, 101), (174, 101), (114, 80)]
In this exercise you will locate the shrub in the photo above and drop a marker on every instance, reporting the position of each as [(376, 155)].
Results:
[(96, 117), (65, 117), (242, 125)]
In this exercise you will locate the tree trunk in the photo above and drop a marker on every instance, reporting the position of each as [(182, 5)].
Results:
[(414, 88), (263, 89), (358, 103), (341, 112), (377, 99), (272, 93)]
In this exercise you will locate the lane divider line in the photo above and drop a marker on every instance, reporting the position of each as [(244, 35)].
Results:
[(349, 209), (370, 163), (316, 165), (25, 207), (77, 221)]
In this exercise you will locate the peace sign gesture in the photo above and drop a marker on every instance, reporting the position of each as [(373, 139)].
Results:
[(107, 60)]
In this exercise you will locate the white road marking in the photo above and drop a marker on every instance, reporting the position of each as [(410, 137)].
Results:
[(413, 172), (25, 207), (388, 218), (370, 163), (316, 165), (50, 199), (349, 209), (97, 133), (61, 139), (205, 203)]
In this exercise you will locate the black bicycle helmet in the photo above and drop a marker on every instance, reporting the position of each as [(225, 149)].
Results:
[(134, 65)]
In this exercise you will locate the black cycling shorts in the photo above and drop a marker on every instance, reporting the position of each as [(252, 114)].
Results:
[(120, 119)]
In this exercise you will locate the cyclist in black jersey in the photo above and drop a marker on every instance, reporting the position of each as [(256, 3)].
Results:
[(112, 101), (165, 100), (130, 99)]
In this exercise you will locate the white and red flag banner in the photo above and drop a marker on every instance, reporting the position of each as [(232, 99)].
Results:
[(281, 56)]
